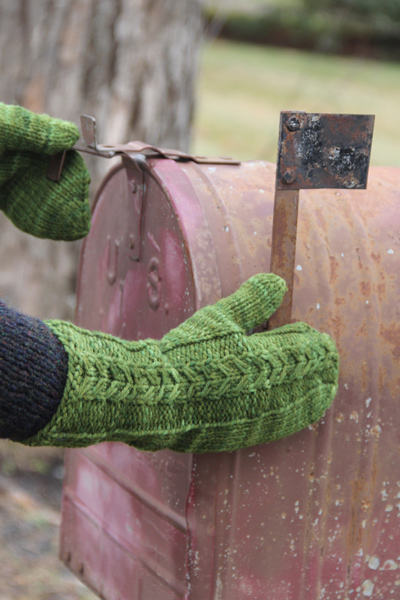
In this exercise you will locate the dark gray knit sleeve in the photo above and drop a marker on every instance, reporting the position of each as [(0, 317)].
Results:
[(33, 374)]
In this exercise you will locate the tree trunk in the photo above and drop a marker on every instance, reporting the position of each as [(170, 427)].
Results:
[(130, 63)]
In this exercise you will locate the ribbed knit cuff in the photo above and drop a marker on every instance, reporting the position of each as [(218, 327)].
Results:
[(33, 374)]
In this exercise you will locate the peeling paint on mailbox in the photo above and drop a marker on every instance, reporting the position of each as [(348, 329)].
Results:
[(315, 516)]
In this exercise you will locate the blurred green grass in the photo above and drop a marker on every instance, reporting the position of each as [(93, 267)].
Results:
[(242, 89)]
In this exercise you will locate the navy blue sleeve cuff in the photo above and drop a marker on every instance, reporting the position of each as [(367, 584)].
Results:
[(33, 374)]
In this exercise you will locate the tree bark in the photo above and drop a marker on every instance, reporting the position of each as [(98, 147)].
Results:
[(130, 63)]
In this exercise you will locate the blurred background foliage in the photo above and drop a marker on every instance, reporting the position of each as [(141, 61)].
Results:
[(361, 27), (388, 8)]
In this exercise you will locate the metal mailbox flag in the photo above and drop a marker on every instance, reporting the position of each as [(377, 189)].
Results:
[(314, 151)]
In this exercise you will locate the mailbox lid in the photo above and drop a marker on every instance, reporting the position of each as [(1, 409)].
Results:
[(124, 526), (138, 501)]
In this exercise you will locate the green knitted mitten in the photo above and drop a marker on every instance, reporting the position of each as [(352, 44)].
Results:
[(38, 206), (205, 387)]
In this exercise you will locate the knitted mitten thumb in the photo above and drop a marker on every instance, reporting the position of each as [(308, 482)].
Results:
[(207, 386), (46, 209)]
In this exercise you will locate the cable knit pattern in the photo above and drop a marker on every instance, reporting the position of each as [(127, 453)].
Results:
[(33, 373), (205, 387), (36, 205)]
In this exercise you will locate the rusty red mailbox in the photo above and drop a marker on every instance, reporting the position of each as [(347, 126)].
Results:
[(314, 516)]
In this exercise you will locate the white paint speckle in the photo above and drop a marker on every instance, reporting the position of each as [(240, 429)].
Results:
[(367, 588), (318, 306), (367, 302), (299, 268), (389, 565), (368, 402), (342, 255), (390, 251), (153, 241), (261, 191), (226, 228), (374, 563), (389, 508), (346, 387), (376, 431), (212, 169)]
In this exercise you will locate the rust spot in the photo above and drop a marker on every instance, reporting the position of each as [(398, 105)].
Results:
[(339, 301), (354, 416), (333, 264), (357, 501), (381, 289), (394, 387), (360, 264), (365, 287), (328, 494), (392, 336), (376, 257), (337, 327), (365, 505), (382, 379), (375, 469), (339, 417), (362, 331)]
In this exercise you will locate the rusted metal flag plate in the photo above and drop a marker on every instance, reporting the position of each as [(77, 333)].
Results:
[(323, 150)]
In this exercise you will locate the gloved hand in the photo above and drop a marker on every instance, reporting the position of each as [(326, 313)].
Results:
[(38, 206), (205, 387)]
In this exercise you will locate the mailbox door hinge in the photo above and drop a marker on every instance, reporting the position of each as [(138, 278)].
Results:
[(136, 190)]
